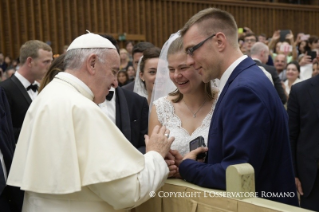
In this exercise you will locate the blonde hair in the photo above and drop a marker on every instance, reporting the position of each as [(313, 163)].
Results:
[(31, 49), (213, 20)]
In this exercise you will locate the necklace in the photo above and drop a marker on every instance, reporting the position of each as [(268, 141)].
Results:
[(194, 114)]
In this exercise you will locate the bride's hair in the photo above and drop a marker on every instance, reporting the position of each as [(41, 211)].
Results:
[(176, 47)]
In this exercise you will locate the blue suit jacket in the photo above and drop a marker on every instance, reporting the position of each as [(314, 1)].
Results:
[(249, 125)]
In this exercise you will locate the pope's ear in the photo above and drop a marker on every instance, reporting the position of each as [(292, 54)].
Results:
[(91, 63)]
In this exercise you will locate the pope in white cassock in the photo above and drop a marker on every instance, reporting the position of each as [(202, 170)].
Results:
[(70, 156)]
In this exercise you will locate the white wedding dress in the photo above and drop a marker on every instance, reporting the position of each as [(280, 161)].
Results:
[(167, 117)]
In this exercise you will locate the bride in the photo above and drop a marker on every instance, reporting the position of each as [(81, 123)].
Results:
[(187, 109)]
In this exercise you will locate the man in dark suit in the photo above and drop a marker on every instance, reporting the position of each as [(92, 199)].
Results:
[(303, 111), (129, 111), (132, 116), (259, 52), (137, 53), (21, 89), (10, 197), (249, 124)]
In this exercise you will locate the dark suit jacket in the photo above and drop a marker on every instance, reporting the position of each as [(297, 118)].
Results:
[(132, 117), (303, 111), (249, 125), (129, 86), (276, 80), (11, 197), (19, 101)]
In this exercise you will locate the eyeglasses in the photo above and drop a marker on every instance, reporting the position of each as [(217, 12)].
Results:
[(191, 50), (250, 40)]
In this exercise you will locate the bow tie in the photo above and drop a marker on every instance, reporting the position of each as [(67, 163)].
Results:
[(34, 87), (110, 96)]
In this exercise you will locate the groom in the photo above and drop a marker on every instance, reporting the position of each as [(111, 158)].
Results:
[(250, 124)]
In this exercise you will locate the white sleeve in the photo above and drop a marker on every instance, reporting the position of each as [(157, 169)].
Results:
[(132, 191)]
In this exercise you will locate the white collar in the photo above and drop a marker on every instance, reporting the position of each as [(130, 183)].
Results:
[(112, 89), (77, 80), (22, 79), (228, 72)]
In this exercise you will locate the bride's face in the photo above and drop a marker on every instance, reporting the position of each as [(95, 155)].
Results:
[(185, 78)]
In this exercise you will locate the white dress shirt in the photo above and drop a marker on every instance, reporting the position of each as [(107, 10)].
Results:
[(25, 84), (108, 107), (228, 72)]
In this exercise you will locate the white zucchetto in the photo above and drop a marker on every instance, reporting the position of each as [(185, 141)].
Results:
[(91, 41)]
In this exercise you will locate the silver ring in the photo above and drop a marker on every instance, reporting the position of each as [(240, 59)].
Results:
[(167, 135)]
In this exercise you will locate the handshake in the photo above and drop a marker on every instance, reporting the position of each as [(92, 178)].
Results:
[(161, 143)]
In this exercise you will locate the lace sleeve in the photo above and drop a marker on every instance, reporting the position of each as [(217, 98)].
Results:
[(159, 110), (163, 110)]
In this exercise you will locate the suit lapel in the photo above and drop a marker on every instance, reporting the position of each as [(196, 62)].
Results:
[(122, 114), (6, 135), (248, 62), (314, 91), (21, 88)]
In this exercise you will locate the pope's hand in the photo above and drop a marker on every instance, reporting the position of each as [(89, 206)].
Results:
[(170, 161), (159, 141)]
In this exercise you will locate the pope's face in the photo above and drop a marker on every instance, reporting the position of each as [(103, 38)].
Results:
[(106, 72)]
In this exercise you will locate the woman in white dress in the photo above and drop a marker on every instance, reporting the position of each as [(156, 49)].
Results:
[(187, 110)]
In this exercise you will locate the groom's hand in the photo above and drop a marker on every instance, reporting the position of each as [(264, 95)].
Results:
[(193, 154)]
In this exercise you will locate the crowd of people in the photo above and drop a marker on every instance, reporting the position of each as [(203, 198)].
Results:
[(99, 127)]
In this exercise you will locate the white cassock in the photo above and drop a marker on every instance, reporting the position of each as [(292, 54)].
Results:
[(71, 157)]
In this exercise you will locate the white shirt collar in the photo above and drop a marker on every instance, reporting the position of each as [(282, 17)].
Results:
[(109, 107), (112, 89), (228, 72), (71, 77), (22, 79)]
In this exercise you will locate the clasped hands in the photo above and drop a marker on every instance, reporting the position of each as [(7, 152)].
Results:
[(174, 158), (161, 143)]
